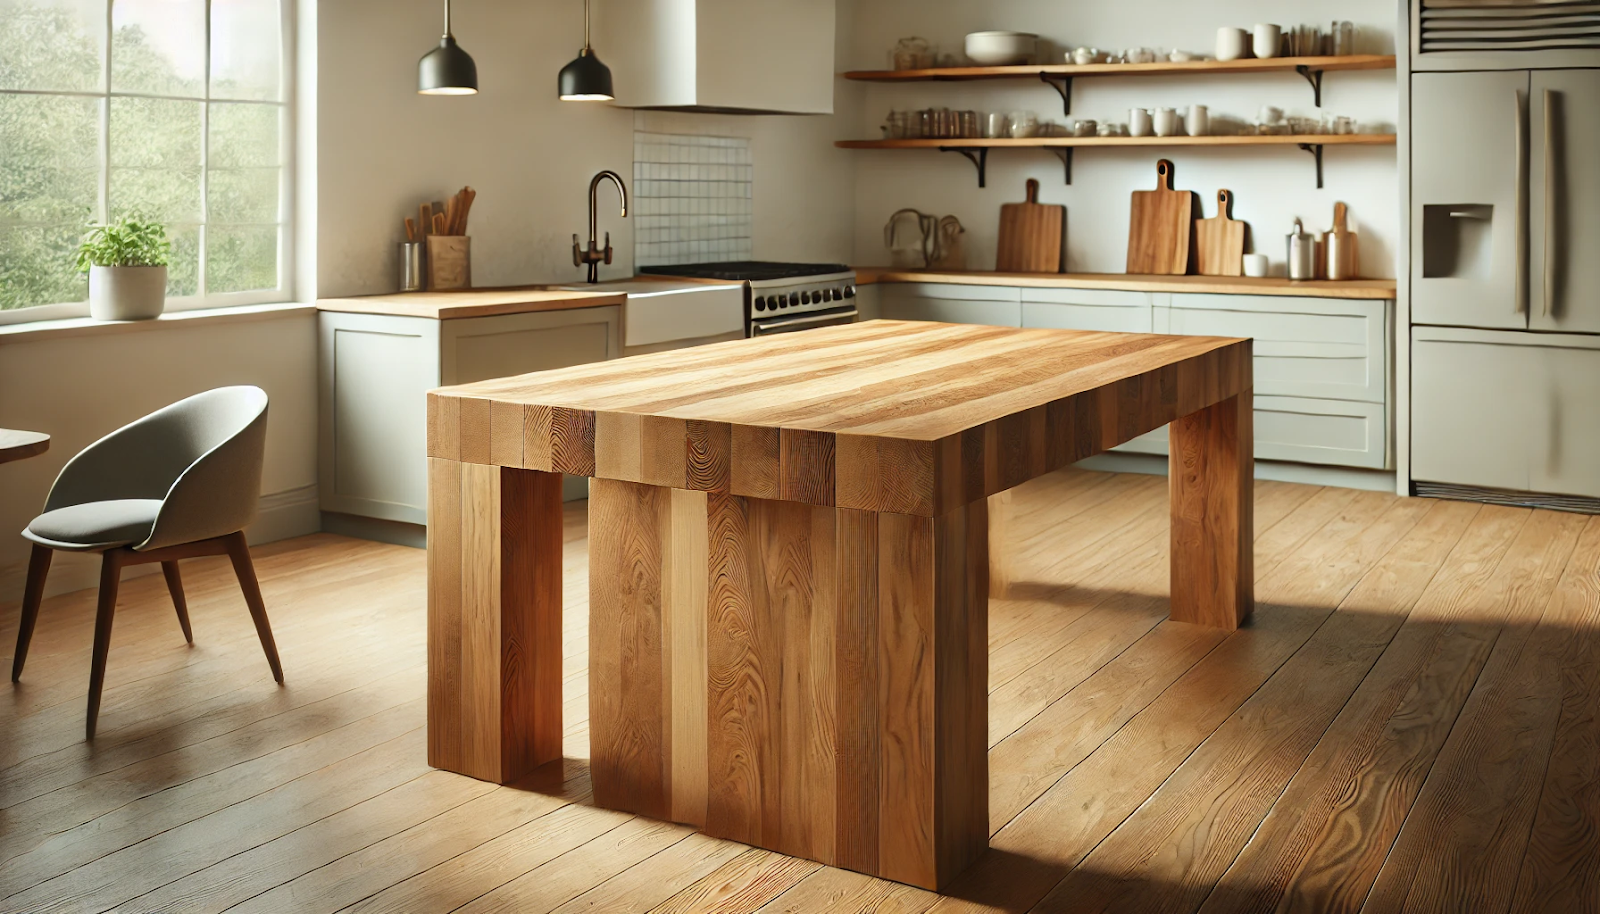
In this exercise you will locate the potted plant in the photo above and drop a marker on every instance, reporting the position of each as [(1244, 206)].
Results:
[(127, 265)]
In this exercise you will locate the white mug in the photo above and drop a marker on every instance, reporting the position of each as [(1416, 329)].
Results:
[(1269, 39), (1139, 122), (1255, 264), (1232, 43), (1198, 123), (1085, 56), (1167, 123), (1139, 55)]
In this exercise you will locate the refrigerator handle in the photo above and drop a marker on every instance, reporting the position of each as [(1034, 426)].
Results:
[(1549, 200), (1521, 125)]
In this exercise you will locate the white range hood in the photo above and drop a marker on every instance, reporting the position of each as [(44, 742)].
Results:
[(728, 56)]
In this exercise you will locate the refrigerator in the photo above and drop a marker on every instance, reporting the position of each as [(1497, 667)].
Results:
[(1504, 238)]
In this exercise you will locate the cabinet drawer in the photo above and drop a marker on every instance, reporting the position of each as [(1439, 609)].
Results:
[(1312, 348), (1332, 432), (994, 305), (1086, 309)]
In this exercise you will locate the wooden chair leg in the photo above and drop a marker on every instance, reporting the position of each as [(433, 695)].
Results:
[(239, 553), (32, 596), (175, 587), (110, 577)]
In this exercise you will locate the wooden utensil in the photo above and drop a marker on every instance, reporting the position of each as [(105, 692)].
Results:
[(424, 219), (411, 229), (1161, 227), (1030, 235), (1219, 241), (1339, 247)]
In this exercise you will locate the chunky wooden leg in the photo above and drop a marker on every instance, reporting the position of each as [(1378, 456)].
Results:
[(808, 679), (494, 619), (32, 596), (245, 571), (105, 611), (1211, 475), (175, 587)]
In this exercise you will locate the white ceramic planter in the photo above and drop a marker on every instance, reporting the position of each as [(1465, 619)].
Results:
[(127, 293)]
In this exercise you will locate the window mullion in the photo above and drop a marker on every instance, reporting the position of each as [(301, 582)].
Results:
[(104, 204), (203, 237)]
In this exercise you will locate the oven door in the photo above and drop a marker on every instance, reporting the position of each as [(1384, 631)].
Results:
[(769, 325)]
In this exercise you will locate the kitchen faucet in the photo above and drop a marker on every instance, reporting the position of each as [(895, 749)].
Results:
[(595, 255)]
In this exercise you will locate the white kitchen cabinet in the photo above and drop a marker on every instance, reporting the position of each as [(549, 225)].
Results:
[(999, 306), (1087, 309), (723, 56), (1346, 433), (1505, 410), (377, 369)]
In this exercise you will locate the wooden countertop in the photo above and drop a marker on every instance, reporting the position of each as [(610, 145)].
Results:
[(1374, 289), (471, 303)]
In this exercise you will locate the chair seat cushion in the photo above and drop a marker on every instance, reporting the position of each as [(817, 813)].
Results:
[(96, 525)]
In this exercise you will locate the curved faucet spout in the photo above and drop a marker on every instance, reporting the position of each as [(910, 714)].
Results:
[(594, 255)]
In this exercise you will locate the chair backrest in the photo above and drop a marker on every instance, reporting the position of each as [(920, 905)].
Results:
[(201, 456)]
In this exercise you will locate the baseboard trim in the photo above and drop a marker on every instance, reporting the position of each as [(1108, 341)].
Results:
[(281, 515), (398, 533), (1276, 470), (1576, 504)]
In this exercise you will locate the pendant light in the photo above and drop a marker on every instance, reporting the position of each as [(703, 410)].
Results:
[(447, 70), (586, 79)]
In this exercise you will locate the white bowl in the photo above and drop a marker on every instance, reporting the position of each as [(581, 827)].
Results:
[(998, 49)]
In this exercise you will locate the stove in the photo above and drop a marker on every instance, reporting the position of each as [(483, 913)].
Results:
[(781, 297)]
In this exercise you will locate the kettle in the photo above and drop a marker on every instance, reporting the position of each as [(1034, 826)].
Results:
[(1302, 249), (911, 236)]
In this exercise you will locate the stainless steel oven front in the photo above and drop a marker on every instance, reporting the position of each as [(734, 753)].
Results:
[(789, 323)]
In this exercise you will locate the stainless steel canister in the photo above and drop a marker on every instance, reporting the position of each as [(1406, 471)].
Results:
[(412, 256), (1302, 248)]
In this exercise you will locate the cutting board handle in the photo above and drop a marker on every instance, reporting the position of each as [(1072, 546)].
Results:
[(1164, 175), (1033, 190), (1340, 215), (1225, 204)]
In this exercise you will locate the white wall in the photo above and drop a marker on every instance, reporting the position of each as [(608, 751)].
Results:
[(383, 148), (1271, 185), (80, 385)]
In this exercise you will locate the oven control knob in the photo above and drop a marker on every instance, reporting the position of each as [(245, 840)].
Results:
[(782, 300), (806, 298), (849, 291), (761, 303), (826, 295)]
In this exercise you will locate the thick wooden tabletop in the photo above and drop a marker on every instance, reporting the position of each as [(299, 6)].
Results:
[(903, 416)]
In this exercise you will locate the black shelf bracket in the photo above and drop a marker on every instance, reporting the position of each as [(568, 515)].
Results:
[(1314, 77), (1062, 83), (1316, 152), (1064, 153), (979, 157)]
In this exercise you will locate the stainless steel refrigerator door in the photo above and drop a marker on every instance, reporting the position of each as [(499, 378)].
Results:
[(1469, 169), (1564, 201)]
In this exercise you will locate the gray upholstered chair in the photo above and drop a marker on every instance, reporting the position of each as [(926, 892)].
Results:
[(181, 482)]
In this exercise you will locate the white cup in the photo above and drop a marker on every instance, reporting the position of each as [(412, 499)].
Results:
[(1268, 40), (1139, 122), (1255, 264), (1167, 122), (1085, 56), (1232, 43), (1198, 123)]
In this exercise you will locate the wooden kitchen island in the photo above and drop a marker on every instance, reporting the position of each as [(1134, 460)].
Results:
[(789, 565)]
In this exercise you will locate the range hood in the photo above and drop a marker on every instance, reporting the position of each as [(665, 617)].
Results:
[(722, 56)]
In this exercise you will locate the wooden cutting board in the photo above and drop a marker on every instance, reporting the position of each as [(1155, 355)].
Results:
[(1219, 241), (1030, 235), (1161, 227)]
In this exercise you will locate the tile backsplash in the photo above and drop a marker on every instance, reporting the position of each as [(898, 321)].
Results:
[(693, 198)]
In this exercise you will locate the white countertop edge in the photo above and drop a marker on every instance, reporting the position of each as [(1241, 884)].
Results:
[(35, 331)]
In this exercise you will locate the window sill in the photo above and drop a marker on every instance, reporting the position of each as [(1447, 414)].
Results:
[(35, 331)]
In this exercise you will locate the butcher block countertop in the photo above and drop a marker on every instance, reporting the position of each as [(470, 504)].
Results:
[(1376, 289), (471, 303)]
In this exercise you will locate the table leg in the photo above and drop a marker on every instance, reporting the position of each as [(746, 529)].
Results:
[(1211, 475), (807, 679), (494, 619)]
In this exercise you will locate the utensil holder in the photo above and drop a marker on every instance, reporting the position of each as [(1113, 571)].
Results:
[(413, 275), (449, 262)]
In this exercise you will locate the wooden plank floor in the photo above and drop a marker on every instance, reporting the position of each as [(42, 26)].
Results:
[(1410, 723)]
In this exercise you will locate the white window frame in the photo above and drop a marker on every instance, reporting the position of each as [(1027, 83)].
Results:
[(286, 176)]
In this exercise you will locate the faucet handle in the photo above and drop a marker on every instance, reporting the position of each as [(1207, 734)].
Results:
[(608, 247), (577, 258)]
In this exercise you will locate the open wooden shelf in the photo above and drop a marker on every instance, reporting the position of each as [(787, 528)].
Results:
[(1162, 68), (977, 149)]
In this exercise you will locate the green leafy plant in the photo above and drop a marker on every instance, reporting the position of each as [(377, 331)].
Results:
[(129, 242)]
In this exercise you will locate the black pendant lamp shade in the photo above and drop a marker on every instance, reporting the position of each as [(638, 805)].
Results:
[(586, 79), (447, 70)]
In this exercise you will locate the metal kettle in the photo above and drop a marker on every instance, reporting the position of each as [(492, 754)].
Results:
[(911, 237), (1302, 250)]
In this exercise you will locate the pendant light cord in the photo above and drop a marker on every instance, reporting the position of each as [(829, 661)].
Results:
[(586, 46), (447, 18)]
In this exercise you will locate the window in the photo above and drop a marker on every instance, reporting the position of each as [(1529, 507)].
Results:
[(172, 109)]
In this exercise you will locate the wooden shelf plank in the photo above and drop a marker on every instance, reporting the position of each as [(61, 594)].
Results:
[(1370, 289), (1351, 139), (1164, 68)]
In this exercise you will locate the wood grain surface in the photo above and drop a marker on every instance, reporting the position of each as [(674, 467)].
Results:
[(1367, 289), (1219, 240), (1030, 235), (16, 444), (1161, 226), (905, 417), (450, 305)]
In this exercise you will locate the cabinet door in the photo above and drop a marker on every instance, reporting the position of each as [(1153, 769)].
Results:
[(1468, 199), (1473, 412), (1086, 309), (999, 306), (1564, 201), (476, 349)]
